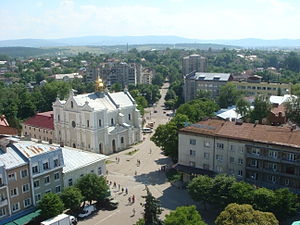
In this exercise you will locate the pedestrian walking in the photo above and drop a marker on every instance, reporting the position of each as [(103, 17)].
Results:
[(129, 200), (122, 190), (133, 212), (126, 191), (133, 198), (135, 173), (119, 187)]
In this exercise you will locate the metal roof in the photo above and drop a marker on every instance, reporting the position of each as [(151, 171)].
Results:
[(212, 76), (30, 148), (76, 158), (11, 158)]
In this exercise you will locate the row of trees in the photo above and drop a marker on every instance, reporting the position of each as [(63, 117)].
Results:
[(223, 190), (89, 188), (233, 214)]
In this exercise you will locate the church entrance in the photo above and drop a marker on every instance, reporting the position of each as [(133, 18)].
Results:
[(114, 145), (74, 145)]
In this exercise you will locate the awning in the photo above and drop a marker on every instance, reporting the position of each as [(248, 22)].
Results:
[(193, 170), (25, 219)]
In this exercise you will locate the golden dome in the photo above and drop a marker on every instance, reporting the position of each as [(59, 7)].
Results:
[(99, 87)]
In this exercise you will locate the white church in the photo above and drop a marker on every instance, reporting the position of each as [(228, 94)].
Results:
[(99, 122)]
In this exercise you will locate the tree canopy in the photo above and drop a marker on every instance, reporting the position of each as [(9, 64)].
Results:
[(71, 197), (235, 214), (92, 187), (184, 215), (51, 205)]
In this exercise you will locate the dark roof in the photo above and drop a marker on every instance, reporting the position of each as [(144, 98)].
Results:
[(41, 120), (193, 170)]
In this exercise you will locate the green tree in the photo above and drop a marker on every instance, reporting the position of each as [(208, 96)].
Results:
[(200, 189), (261, 109), (293, 110), (51, 205), (184, 215), (242, 107), (92, 187), (220, 189), (71, 197), (264, 199), (166, 135), (241, 193), (116, 87), (235, 214), (198, 109), (228, 95), (152, 210), (286, 203)]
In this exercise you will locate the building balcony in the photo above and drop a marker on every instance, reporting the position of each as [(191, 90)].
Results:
[(3, 202), (264, 157), (271, 171)]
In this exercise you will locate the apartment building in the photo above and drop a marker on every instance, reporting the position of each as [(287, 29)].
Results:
[(115, 72), (210, 82), (40, 127), (193, 63), (29, 170), (263, 155)]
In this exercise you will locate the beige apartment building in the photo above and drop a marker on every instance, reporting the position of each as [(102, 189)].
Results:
[(263, 155), (193, 63)]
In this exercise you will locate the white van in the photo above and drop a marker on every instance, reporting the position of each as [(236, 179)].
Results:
[(87, 210), (147, 130)]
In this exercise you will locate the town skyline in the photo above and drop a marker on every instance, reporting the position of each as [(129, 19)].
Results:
[(264, 19)]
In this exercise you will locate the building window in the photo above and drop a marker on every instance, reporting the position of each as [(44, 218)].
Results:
[(27, 202), (129, 116), (14, 192), (273, 154), (219, 169), (11, 176), (291, 157), (72, 105), (56, 163), (219, 158), (220, 145), (36, 183), (99, 170), (73, 124), (206, 144), (274, 166), (24, 173), (25, 188), (99, 123), (112, 121), (48, 191), (47, 179), (253, 163), (56, 176), (231, 159), (287, 182), (192, 164), (46, 165), (35, 169), (57, 189), (192, 141), (88, 123), (192, 153), (232, 148), (70, 182), (240, 173), (58, 118), (122, 140), (273, 179), (206, 155), (37, 197), (240, 161), (16, 207), (255, 151), (206, 166), (2, 212)]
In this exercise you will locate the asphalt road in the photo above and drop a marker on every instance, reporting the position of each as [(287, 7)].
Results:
[(124, 170)]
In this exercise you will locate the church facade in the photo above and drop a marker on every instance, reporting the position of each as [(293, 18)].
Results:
[(99, 122)]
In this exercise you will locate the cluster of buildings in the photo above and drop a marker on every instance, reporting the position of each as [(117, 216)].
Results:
[(29, 170), (266, 156), (84, 129), (196, 80), (115, 71)]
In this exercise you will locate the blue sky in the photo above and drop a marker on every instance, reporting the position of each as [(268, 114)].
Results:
[(199, 19)]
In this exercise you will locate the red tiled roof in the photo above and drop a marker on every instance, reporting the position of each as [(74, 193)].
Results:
[(279, 109), (247, 131), (41, 120), (8, 130)]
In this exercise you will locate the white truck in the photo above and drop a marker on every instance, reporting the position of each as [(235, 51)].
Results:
[(61, 219)]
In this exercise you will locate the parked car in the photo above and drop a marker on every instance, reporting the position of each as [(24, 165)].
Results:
[(86, 211)]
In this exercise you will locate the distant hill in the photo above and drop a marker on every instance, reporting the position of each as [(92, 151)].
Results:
[(142, 40), (26, 51)]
